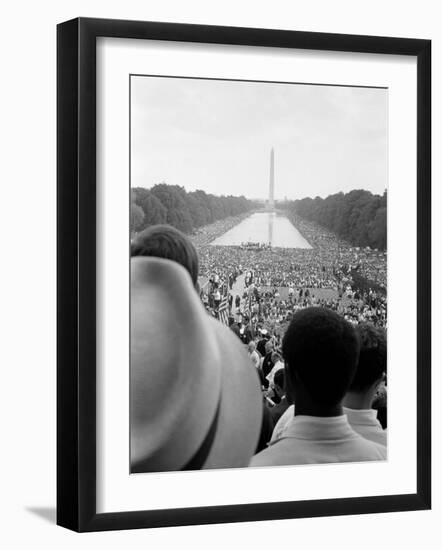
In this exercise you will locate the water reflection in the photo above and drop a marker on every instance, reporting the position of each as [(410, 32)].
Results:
[(264, 227), (270, 239)]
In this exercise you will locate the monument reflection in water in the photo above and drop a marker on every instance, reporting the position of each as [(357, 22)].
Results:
[(264, 227)]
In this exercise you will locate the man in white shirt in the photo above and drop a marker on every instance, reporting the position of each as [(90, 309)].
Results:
[(282, 423), (253, 354), (277, 365), (321, 352), (370, 374)]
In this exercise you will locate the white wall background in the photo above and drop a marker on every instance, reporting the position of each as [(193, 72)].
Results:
[(27, 289)]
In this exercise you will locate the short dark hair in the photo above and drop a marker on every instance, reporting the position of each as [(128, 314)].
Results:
[(322, 349), (278, 379), (372, 357), (165, 241)]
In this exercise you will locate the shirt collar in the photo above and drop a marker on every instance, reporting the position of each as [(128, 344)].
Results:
[(319, 427), (362, 417)]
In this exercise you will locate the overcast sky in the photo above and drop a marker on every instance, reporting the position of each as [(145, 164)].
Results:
[(217, 135)]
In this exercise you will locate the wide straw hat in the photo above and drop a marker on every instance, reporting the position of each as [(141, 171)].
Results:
[(195, 396)]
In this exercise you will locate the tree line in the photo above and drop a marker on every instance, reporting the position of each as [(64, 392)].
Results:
[(173, 205), (359, 217)]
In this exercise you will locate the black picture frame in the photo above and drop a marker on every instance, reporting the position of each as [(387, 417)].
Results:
[(77, 287)]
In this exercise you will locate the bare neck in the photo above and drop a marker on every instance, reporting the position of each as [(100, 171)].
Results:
[(358, 400), (308, 408)]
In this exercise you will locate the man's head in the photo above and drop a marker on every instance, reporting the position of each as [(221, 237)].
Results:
[(164, 241), (268, 346), (321, 352), (252, 346), (372, 365), (279, 383)]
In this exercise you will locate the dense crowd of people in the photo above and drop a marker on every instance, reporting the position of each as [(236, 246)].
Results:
[(316, 340), (277, 282)]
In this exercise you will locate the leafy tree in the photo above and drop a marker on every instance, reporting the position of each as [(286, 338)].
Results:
[(154, 211), (173, 198), (377, 229), (136, 217), (186, 211), (359, 216)]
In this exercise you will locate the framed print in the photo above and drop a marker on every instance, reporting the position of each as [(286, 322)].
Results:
[(243, 274)]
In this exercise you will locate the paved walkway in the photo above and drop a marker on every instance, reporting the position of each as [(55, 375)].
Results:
[(238, 286)]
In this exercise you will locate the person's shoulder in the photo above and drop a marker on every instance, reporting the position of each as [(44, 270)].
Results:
[(380, 436), (381, 450), (285, 452), (260, 459), (267, 457), (372, 449)]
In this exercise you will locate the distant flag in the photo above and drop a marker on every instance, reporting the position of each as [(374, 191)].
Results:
[(223, 310)]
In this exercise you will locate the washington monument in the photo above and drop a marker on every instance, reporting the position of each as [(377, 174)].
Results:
[(272, 180)]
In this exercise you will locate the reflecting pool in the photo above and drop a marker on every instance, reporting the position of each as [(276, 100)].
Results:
[(264, 227)]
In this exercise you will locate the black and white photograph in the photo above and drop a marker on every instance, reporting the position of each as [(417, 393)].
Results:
[(243, 274), (258, 273), (220, 281)]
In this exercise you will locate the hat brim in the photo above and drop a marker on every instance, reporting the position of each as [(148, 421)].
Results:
[(240, 415), (195, 397)]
